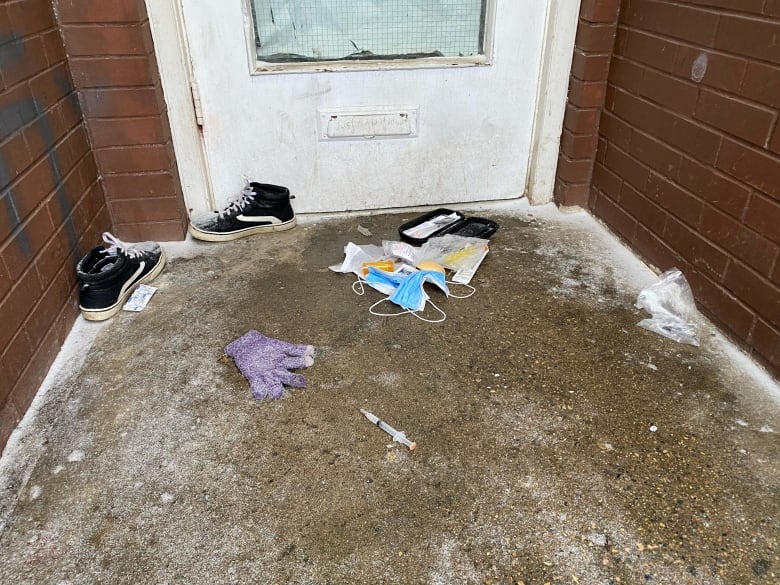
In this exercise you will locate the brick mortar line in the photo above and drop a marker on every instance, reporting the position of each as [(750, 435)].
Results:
[(755, 317), (69, 217), (90, 118), (687, 190), (731, 95), (700, 124), (41, 204), (36, 75), (46, 154), (742, 342), (41, 345), (693, 45), (589, 23), (97, 215), (730, 257), (145, 200), (702, 274), (79, 201), (568, 158), (101, 23), (579, 49), (140, 173), (17, 283), (40, 115), (48, 286), (87, 118), (753, 312), (141, 146), (127, 146), (720, 10), (119, 88), (5, 352), (150, 222), (16, 39), (774, 129), (655, 205), (775, 112), (570, 184), (52, 66), (111, 57), (770, 325), (134, 145), (142, 117)]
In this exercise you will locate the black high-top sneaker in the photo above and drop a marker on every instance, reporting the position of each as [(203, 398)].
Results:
[(259, 208), (107, 276)]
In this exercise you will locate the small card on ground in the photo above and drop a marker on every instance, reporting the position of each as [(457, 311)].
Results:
[(140, 297)]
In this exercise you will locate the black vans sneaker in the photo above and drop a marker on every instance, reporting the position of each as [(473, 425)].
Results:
[(258, 209), (107, 276)]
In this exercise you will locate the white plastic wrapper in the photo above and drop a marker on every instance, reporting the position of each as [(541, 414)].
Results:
[(140, 298), (670, 302), (355, 256)]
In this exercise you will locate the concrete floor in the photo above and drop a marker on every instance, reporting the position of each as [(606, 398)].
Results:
[(146, 460)]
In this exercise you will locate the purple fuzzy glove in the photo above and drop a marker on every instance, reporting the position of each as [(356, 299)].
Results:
[(270, 384), (268, 344), (264, 361)]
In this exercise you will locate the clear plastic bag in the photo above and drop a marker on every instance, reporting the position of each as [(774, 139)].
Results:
[(400, 250), (453, 252), (355, 256), (670, 302)]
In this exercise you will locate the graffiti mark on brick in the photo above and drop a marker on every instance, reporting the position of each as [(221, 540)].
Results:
[(14, 115)]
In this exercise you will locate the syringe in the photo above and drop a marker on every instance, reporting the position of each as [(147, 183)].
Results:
[(398, 436)]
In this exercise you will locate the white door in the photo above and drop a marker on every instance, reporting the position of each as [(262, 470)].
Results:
[(427, 108)]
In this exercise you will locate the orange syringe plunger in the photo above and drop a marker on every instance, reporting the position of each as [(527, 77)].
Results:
[(398, 436)]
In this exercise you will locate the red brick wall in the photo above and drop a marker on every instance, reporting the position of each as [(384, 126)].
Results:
[(111, 55), (51, 204), (688, 162), (587, 89)]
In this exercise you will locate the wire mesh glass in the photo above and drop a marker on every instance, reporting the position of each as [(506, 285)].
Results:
[(288, 31)]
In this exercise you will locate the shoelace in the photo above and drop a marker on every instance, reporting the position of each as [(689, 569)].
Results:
[(116, 245), (239, 202)]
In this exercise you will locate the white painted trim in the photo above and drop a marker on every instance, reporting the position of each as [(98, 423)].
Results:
[(562, 18), (173, 61), (263, 68)]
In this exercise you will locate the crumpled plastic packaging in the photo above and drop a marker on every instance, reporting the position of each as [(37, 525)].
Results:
[(355, 256), (670, 302), (265, 362), (453, 252)]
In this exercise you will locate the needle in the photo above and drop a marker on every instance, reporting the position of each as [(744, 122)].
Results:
[(398, 436)]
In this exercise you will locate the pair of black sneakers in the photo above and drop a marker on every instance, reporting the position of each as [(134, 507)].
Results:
[(108, 275)]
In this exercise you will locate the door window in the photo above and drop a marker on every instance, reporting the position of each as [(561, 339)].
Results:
[(348, 31)]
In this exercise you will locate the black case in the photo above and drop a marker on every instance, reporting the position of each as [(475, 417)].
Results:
[(472, 227), (422, 219)]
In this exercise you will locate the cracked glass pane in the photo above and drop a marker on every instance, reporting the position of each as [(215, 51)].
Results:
[(290, 31)]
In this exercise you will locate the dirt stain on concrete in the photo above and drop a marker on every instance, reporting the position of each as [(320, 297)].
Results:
[(532, 406)]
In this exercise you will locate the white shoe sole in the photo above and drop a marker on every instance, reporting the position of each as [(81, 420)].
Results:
[(207, 236), (108, 312)]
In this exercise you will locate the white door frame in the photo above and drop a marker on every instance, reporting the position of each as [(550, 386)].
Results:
[(173, 60)]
